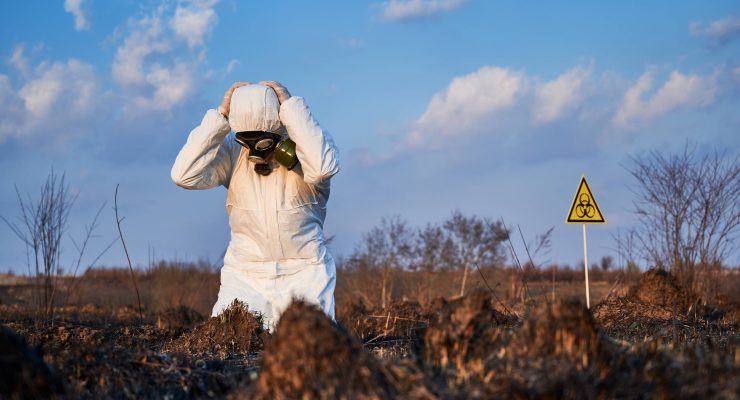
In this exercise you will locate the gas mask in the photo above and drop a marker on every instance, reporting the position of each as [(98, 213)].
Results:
[(262, 145)]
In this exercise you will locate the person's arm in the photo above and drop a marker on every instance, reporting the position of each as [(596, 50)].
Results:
[(205, 160), (314, 147)]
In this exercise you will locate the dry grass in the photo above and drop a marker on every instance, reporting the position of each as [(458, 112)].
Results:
[(639, 341)]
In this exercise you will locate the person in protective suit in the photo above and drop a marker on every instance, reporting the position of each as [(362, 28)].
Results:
[(277, 250)]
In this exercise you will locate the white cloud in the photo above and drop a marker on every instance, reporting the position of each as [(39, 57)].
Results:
[(231, 66), (397, 10), (720, 31), (679, 91), (72, 84), (145, 38), (468, 100), (19, 61), (74, 7), (145, 65), (11, 108), (171, 86), (56, 94), (194, 20), (506, 103), (554, 98)]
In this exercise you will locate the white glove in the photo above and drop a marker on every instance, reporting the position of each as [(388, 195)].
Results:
[(224, 108), (280, 90)]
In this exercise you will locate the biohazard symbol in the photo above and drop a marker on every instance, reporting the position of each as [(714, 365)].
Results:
[(584, 209)]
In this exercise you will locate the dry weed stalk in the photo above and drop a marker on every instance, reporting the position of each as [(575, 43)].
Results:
[(125, 250)]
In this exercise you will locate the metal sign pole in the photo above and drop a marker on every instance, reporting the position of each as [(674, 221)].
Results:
[(585, 266)]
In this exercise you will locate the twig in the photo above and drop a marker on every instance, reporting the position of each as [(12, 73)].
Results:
[(516, 259), (77, 282), (89, 230), (611, 290), (531, 261), (130, 268), (493, 292)]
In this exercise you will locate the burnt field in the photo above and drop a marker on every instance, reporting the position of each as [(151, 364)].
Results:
[(644, 337)]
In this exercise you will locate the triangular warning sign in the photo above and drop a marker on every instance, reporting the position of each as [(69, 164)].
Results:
[(584, 209)]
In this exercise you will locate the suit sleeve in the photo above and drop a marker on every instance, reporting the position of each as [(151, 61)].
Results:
[(314, 147), (206, 159)]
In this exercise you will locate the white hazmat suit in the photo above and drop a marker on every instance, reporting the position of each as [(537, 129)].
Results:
[(277, 250)]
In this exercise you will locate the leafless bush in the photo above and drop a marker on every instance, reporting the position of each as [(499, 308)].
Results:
[(477, 242), (460, 243), (689, 213), (41, 226), (385, 247)]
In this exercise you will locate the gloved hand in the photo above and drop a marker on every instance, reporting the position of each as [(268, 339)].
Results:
[(280, 90), (225, 106)]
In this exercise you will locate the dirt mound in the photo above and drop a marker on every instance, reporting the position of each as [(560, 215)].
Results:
[(556, 353), (235, 331), (560, 329), (657, 286), (560, 353), (103, 359), (178, 317), (24, 374), (657, 307), (480, 353), (464, 332), (309, 356), (404, 319)]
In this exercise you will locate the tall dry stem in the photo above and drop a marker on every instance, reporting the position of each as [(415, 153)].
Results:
[(125, 250)]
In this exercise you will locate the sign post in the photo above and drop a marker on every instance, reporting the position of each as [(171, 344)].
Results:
[(584, 210)]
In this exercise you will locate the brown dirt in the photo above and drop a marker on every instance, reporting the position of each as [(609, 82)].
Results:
[(109, 358), (402, 319), (24, 373), (178, 318), (236, 331), (659, 287), (311, 357), (658, 308), (464, 332), (560, 329), (557, 353), (630, 348)]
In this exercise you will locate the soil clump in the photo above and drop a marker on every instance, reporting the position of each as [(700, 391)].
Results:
[(660, 287), (25, 375), (236, 331), (178, 318), (463, 330), (310, 356), (404, 319)]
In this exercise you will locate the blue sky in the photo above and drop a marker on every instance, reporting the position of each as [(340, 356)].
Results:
[(494, 108)]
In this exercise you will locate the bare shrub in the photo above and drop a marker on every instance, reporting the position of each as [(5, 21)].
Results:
[(459, 243), (689, 213), (477, 242), (42, 225), (386, 247)]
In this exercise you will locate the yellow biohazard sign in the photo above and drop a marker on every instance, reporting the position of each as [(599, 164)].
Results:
[(584, 209)]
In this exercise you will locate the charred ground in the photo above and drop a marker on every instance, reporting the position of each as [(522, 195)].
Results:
[(648, 339)]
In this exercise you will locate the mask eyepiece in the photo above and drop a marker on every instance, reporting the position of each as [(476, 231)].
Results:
[(264, 144)]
